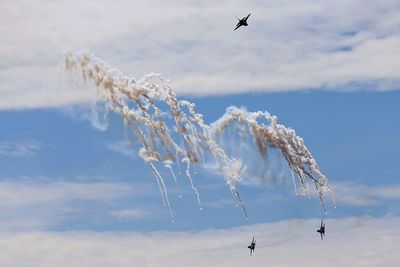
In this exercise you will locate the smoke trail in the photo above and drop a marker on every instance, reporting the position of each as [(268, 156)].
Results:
[(139, 103)]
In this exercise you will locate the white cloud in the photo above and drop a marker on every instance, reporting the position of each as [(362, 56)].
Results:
[(365, 196), (287, 46), (349, 242), (23, 148), (43, 204), (130, 214), (36, 193), (124, 148)]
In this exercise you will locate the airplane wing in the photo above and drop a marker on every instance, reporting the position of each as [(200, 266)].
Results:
[(253, 239), (237, 26), (247, 17)]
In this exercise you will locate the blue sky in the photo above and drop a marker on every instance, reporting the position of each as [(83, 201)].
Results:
[(342, 130), (75, 192)]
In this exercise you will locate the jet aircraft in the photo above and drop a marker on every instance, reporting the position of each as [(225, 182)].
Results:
[(252, 246), (242, 22), (321, 230)]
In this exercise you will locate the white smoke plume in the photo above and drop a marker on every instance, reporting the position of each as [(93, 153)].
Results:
[(147, 104)]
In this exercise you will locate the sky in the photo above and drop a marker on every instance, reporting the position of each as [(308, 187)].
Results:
[(75, 192)]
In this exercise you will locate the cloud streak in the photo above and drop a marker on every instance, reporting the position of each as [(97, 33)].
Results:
[(288, 46), (44, 204), (24, 148), (124, 148), (130, 214), (365, 196), (349, 242)]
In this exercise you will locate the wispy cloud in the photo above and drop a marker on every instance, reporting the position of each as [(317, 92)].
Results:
[(43, 204), (32, 193), (349, 242), (130, 214), (365, 196), (23, 148), (123, 148), (287, 46)]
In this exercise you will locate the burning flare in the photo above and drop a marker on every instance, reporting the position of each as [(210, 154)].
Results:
[(138, 102)]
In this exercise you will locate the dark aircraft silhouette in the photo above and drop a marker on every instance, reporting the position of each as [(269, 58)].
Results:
[(252, 246), (242, 22), (321, 230)]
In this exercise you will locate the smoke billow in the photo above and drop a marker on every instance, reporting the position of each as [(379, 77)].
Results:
[(171, 132)]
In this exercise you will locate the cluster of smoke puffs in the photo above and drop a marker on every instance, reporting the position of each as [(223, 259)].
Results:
[(171, 132)]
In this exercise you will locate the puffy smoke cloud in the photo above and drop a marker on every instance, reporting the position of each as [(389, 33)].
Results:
[(161, 130)]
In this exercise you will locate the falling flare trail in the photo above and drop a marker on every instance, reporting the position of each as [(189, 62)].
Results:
[(137, 102)]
